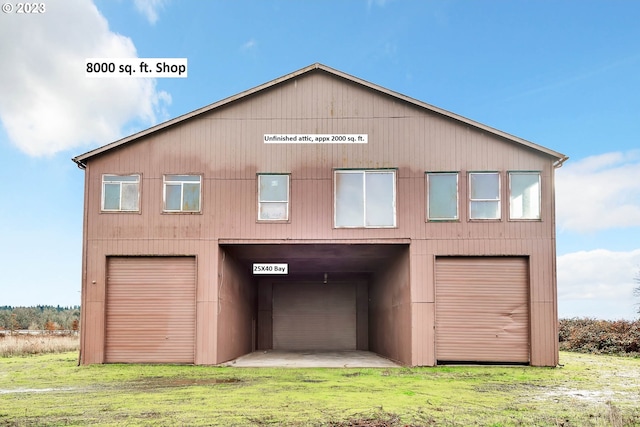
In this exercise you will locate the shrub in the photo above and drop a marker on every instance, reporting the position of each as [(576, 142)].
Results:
[(587, 335)]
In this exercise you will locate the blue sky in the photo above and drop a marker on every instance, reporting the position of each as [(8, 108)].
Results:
[(563, 74)]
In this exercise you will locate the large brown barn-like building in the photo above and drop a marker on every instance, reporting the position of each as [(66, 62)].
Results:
[(412, 232)]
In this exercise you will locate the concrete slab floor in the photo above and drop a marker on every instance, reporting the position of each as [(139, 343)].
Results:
[(311, 359)]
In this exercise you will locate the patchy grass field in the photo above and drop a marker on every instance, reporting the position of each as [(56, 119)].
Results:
[(589, 390)]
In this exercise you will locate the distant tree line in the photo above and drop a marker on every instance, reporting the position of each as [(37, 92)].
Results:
[(636, 291), (40, 317)]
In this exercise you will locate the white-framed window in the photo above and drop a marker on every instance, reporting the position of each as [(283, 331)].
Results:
[(484, 195), (442, 196), (120, 193), (273, 197), (182, 193), (365, 198), (524, 195)]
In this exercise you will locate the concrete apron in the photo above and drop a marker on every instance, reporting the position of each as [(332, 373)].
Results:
[(311, 359)]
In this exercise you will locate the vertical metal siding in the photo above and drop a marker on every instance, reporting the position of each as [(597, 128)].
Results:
[(390, 310), (226, 146), (482, 309), (362, 316), (265, 315), (150, 310), (236, 310)]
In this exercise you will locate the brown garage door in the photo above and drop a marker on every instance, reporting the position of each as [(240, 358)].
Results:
[(150, 309), (314, 316), (482, 310)]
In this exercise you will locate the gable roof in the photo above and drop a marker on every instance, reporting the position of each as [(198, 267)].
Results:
[(81, 159)]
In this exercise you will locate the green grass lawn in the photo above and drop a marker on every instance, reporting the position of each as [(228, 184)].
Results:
[(51, 390)]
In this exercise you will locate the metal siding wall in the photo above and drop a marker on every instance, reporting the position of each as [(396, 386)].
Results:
[(150, 310), (422, 334), (226, 146), (482, 309), (543, 317), (362, 316), (390, 314), (265, 315), (236, 312), (422, 307)]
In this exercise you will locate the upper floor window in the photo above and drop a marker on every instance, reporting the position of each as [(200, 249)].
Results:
[(484, 195), (442, 196), (182, 193), (273, 197), (121, 193), (365, 198), (524, 195)]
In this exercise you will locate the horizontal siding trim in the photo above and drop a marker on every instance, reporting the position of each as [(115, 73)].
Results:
[(404, 241)]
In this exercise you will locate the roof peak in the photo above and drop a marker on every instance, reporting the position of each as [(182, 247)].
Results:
[(81, 159)]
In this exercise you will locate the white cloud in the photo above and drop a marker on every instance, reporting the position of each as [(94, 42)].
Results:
[(598, 283), (149, 8), (599, 192), (250, 44), (47, 103)]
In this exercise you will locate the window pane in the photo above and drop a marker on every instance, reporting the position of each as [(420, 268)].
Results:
[(191, 201), (485, 186), (274, 188), (524, 201), (349, 199), (443, 196), (273, 211), (111, 197), (485, 210), (129, 197), (172, 197), (379, 199)]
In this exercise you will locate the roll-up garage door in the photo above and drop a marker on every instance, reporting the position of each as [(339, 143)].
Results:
[(482, 309), (150, 312), (314, 316)]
